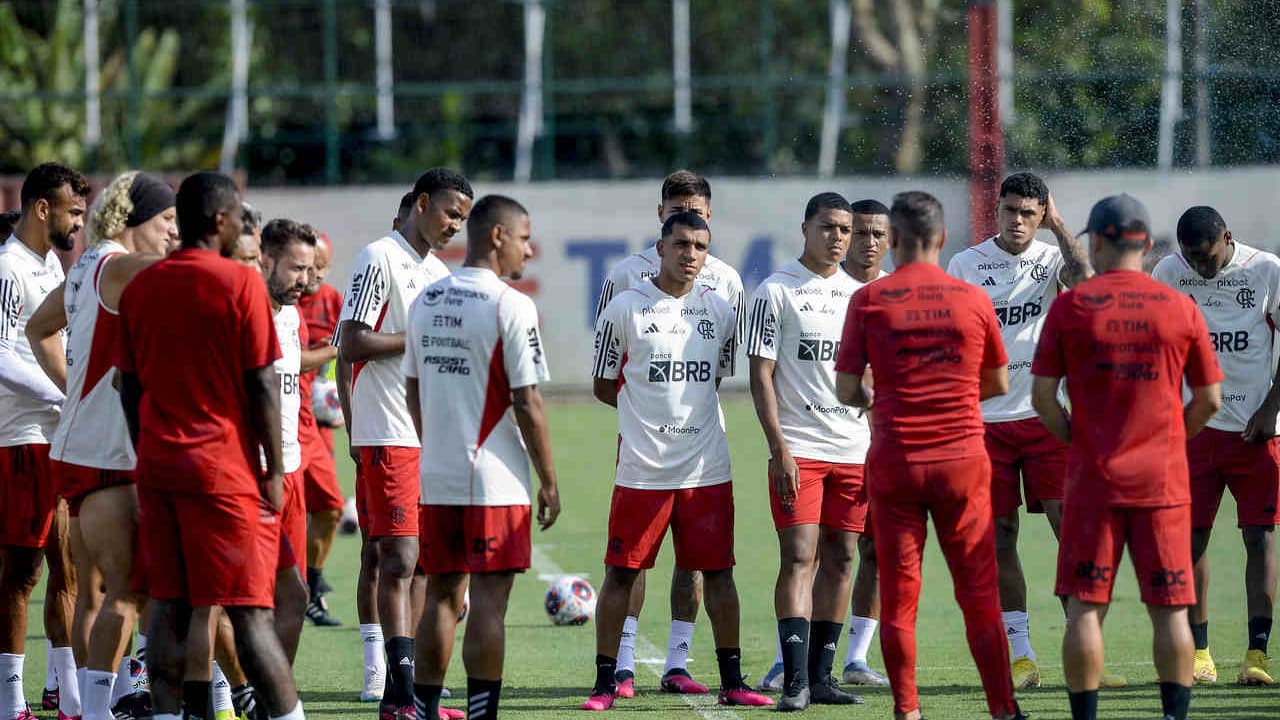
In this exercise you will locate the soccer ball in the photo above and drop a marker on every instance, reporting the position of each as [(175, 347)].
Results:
[(324, 402), (350, 521), (570, 600)]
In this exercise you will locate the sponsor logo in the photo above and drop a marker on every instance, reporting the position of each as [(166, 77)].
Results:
[(446, 321), (896, 295), (1244, 298), (1234, 397), (1090, 572), (793, 640), (647, 274), (616, 545), (1020, 365), (707, 329), (484, 545), (429, 341), (398, 514), (448, 365), (821, 409), (678, 430), (1018, 314), (1192, 282), (1230, 341), (1039, 273), (1164, 578), (989, 282), (663, 371), (657, 310), (432, 296), (988, 267), (1097, 302), (806, 291), (818, 350), (535, 344), (700, 312), (768, 332), (652, 329), (1233, 282)]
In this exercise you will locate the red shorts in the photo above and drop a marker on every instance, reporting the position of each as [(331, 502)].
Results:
[(319, 474), (326, 434), (473, 538), (293, 526), (1025, 458), (1159, 540), (701, 521), (209, 549), (27, 496), (74, 482), (391, 491), (831, 494), (1220, 460)]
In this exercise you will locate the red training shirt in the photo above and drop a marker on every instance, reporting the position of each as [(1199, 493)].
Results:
[(927, 337), (191, 325), (319, 312), (1124, 342)]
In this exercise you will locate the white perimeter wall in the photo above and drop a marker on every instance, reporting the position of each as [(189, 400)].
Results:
[(582, 228)]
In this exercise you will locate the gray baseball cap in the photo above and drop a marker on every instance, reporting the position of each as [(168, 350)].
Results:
[(1119, 217)]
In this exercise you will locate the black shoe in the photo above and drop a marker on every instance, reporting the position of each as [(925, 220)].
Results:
[(134, 706), (322, 586), (827, 692), (795, 697), (318, 613)]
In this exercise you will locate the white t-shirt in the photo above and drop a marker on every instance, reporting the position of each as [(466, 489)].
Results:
[(386, 277), (1239, 304), (640, 268), (288, 366), (92, 431), (25, 280), (797, 319), (473, 339), (1021, 288), (670, 352)]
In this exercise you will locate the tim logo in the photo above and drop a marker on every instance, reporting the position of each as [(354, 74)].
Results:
[(707, 329), (896, 295), (1089, 572), (432, 296), (1245, 298), (1163, 578), (1039, 273), (665, 371), (1097, 302), (819, 350)]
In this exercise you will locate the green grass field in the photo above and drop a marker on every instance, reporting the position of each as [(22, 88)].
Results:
[(549, 670)]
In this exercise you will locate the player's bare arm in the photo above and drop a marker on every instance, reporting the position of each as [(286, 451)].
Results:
[(43, 335), (993, 382), (1262, 426), (359, 343), (317, 357), (118, 271), (343, 371), (852, 390), (264, 416), (412, 402), (605, 390), (1075, 261), (783, 471), (531, 417), (1044, 398), (1205, 402)]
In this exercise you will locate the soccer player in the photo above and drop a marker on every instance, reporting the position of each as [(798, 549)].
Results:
[(817, 448), (248, 249), (1125, 343), (1022, 276), (933, 344), (320, 306), (682, 191), (53, 208), (1237, 288), (473, 361), (8, 219), (669, 341), (387, 275), (199, 389), (402, 212), (130, 226)]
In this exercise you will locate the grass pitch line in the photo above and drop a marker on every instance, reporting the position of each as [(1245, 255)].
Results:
[(704, 705)]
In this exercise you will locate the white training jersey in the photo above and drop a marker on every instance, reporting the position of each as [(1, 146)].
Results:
[(1239, 304), (92, 431), (1021, 288), (640, 268), (288, 366), (797, 320), (473, 339), (669, 352), (25, 280), (386, 277)]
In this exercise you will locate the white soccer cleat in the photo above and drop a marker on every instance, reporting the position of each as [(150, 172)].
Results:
[(860, 673), (772, 680), (375, 684)]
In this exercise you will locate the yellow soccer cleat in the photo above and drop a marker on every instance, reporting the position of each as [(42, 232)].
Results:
[(1254, 671), (1026, 674), (1204, 671), (1112, 681)]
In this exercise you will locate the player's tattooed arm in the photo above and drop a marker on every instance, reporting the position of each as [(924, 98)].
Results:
[(1075, 261), (1044, 398), (784, 474), (531, 417)]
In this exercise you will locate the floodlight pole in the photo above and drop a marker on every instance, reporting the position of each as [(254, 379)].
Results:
[(92, 79), (681, 72), (986, 136), (385, 77), (530, 124), (837, 86)]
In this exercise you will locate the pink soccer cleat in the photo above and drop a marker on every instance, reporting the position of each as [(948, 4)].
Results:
[(451, 714), (745, 696), (678, 681), (599, 701), (627, 688)]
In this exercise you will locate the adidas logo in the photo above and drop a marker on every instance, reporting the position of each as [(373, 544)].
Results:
[(829, 646), (653, 328), (989, 282), (793, 639), (683, 646), (406, 661), (806, 308), (14, 678)]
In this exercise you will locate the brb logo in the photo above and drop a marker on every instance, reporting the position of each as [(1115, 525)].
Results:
[(819, 350), (668, 371)]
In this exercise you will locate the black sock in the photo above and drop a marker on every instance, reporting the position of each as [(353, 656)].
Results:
[(244, 701), (1200, 634), (1084, 705), (313, 579), (399, 671), (605, 668), (793, 634), (426, 698), (1259, 633), (1175, 700), (730, 662), (824, 635), (482, 698), (197, 700)]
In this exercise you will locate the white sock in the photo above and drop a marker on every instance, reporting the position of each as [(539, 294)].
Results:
[(124, 681), (1018, 628), (140, 651), (221, 692), (50, 673), (64, 666), (96, 694), (627, 645), (12, 701), (678, 643), (862, 630), (375, 651), (294, 714), (81, 673)]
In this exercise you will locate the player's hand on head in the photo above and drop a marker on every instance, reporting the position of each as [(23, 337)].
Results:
[(785, 476), (1052, 219), (548, 506)]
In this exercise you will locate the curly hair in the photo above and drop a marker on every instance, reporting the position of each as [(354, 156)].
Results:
[(110, 212)]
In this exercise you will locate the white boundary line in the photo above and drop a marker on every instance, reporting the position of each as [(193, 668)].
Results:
[(704, 705)]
